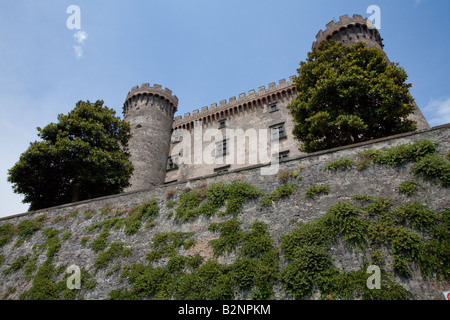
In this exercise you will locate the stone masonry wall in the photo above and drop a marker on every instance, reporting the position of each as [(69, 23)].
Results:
[(251, 120), (251, 113), (73, 221)]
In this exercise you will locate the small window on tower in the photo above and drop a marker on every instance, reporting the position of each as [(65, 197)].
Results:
[(176, 137), (277, 131), (283, 155), (273, 107), (222, 123), (222, 169), (172, 163), (221, 148)]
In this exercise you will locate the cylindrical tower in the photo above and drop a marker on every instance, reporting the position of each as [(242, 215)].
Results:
[(350, 31), (149, 111)]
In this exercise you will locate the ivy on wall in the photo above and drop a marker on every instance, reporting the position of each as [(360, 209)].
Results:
[(396, 236)]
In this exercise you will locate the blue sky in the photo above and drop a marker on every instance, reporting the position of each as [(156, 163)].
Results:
[(204, 51)]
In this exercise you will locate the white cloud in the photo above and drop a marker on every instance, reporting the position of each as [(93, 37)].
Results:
[(438, 111), (78, 51), (80, 37)]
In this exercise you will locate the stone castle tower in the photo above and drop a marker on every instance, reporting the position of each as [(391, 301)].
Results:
[(350, 31), (150, 112)]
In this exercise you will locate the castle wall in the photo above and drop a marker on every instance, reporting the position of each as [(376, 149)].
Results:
[(250, 113), (73, 221), (254, 115)]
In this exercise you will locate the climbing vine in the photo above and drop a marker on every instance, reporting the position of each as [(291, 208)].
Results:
[(409, 233), (385, 232), (188, 277), (423, 153), (208, 201)]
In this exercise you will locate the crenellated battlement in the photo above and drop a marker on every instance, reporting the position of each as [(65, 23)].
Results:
[(156, 89), (233, 101), (350, 30)]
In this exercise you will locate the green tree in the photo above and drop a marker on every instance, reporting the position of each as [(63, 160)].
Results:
[(82, 156), (349, 94)]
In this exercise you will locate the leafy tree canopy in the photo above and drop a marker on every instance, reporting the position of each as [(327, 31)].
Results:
[(82, 156), (349, 94)]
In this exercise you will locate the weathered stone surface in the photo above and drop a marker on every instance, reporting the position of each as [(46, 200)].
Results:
[(376, 180), (149, 111)]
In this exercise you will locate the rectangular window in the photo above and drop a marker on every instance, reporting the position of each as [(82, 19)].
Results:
[(222, 123), (273, 107), (221, 148), (277, 131), (283, 155), (222, 169), (172, 163), (176, 137)]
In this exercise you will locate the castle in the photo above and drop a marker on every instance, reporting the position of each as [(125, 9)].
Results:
[(213, 230), (156, 132)]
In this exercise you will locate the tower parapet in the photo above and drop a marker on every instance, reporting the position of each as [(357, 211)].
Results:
[(155, 90), (149, 110), (350, 31)]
